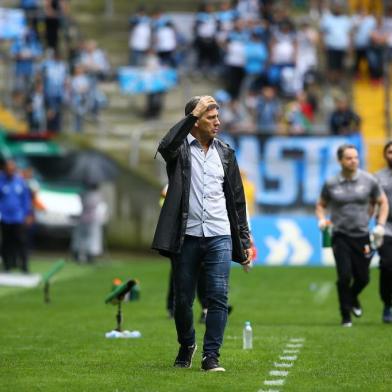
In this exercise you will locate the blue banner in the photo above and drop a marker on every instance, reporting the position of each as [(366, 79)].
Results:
[(135, 80), (12, 23), (291, 240), (288, 172)]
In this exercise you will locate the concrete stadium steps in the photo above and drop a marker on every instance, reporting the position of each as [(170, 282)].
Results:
[(369, 103)]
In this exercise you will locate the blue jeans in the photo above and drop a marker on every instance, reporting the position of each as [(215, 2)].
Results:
[(215, 255)]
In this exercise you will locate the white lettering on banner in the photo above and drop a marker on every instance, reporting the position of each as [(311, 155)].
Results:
[(289, 170), (291, 246)]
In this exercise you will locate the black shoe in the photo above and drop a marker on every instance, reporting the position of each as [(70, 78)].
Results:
[(356, 308), (185, 355), (387, 315), (211, 364)]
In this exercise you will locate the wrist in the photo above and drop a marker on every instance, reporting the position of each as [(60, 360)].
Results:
[(196, 114)]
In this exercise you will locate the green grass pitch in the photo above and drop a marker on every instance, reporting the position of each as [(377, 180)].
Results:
[(61, 346)]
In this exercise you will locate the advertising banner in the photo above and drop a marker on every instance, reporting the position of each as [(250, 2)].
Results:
[(134, 80), (12, 23), (291, 240), (288, 172)]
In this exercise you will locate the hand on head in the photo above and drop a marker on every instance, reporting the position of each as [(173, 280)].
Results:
[(206, 103)]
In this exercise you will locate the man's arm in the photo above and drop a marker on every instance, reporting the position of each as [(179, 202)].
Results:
[(383, 209), (240, 205), (169, 145), (321, 213), (382, 215)]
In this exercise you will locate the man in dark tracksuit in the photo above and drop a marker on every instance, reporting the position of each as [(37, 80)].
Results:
[(350, 197), (15, 213), (385, 251), (202, 221)]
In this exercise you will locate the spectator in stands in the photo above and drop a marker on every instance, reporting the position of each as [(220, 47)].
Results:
[(283, 48), (95, 61), (35, 107), (32, 9), (154, 99), (139, 37), (226, 17), (364, 24), (55, 78), (248, 9), (268, 111), (234, 60), (233, 114), (80, 96), (343, 120), (306, 54), (26, 52), (316, 9), (256, 57), (205, 32), (16, 214), (165, 43), (54, 12), (387, 26), (375, 53), (300, 115), (336, 28)]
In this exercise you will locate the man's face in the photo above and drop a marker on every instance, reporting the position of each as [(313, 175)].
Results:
[(209, 123), (10, 168), (388, 156), (350, 160)]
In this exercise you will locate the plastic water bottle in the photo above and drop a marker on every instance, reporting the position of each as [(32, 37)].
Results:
[(247, 336)]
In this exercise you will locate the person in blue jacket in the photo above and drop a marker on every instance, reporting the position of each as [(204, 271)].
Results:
[(15, 216)]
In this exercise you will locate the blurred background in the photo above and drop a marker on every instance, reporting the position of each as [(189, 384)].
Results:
[(88, 88)]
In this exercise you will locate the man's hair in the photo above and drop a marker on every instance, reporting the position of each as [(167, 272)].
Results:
[(387, 145), (192, 104), (194, 101), (343, 148)]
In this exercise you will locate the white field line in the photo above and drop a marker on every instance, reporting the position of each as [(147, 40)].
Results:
[(294, 345), (279, 373), (274, 382), (288, 357), (288, 362), (283, 365), (268, 390), (323, 292)]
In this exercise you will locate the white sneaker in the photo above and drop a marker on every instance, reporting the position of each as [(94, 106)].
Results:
[(347, 324), (357, 312)]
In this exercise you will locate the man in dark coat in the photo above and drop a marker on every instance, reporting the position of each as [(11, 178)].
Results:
[(202, 222)]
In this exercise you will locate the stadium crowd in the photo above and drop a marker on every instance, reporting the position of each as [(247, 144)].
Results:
[(276, 72), (53, 68), (274, 68)]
